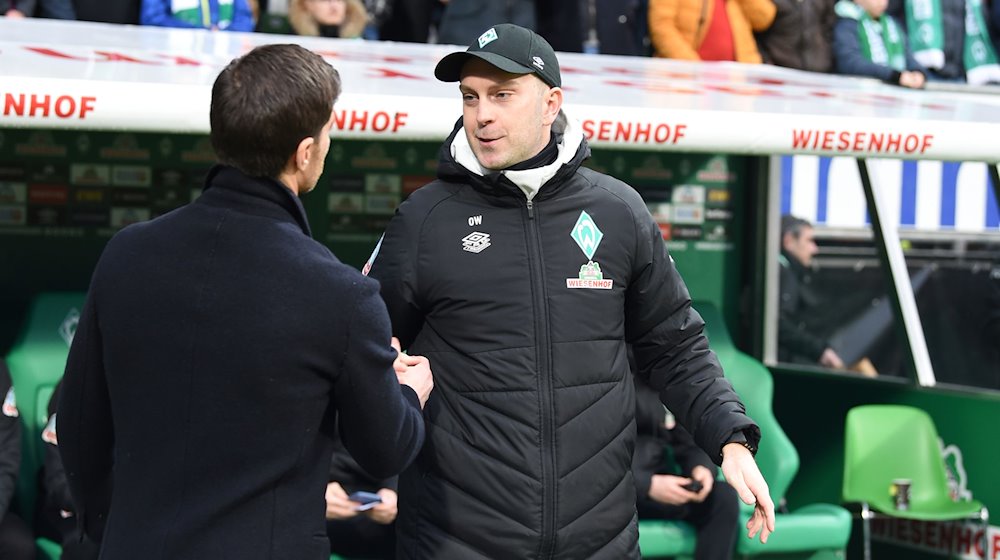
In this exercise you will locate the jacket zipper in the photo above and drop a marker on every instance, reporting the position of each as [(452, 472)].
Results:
[(537, 271)]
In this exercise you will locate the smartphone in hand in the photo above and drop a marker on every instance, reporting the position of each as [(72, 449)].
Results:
[(368, 500), (693, 486)]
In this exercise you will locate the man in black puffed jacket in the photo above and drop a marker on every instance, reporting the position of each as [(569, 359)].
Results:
[(220, 342), (521, 275)]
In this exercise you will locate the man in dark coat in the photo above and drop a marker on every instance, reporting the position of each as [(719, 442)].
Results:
[(797, 342), (595, 26), (219, 341), (521, 275), (663, 447), (801, 35), (16, 540), (55, 516)]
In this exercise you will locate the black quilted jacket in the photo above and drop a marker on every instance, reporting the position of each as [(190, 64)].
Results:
[(524, 309)]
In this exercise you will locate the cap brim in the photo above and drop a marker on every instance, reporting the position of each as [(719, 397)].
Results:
[(449, 69)]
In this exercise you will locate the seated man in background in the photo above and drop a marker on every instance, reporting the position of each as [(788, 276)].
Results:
[(55, 516), (16, 541), (695, 496), (356, 532), (799, 302)]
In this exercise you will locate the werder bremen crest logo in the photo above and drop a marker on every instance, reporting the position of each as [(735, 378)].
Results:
[(588, 236)]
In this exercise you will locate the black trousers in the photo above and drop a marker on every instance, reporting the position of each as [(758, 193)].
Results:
[(361, 537), (715, 520), (16, 539)]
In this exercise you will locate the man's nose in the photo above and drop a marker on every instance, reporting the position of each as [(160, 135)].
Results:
[(485, 113)]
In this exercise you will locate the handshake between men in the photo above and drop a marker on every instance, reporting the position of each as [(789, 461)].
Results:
[(414, 372)]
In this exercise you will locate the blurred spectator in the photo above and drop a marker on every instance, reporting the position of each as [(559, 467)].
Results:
[(359, 534), (949, 38), (16, 541), (273, 17), (595, 26), (107, 11), (463, 20), (225, 15), (55, 9), (409, 21), (378, 12), (712, 506), (801, 36), (869, 42), (17, 9), (994, 12), (55, 517), (328, 18), (708, 29)]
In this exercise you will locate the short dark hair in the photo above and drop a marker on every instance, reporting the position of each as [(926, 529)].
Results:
[(791, 224), (265, 102)]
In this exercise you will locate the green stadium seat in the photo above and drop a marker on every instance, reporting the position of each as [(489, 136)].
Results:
[(36, 363), (659, 538), (48, 550), (886, 442), (813, 531)]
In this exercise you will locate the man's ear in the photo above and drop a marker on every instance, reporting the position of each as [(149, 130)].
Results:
[(304, 153), (786, 239), (553, 100)]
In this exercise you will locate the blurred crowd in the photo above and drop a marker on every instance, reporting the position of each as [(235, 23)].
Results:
[(902, 42)]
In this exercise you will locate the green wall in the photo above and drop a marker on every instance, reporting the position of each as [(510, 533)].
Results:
[(812, 407), (63, 194)]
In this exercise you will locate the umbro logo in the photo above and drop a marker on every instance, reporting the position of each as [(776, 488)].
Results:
[(538, 62), (476, 242)]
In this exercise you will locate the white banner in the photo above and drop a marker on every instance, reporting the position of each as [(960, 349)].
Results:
[(104, 77)]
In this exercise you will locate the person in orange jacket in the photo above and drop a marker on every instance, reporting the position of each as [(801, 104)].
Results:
[(694, 30)]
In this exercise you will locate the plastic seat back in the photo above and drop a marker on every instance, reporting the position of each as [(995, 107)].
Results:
[(37, 361), (777, 457), (822, 529), (888, 442)]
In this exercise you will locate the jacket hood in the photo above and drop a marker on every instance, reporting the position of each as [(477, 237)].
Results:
[(458, 163)]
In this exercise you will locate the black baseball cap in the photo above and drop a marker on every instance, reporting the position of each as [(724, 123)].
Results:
[(509, 47)]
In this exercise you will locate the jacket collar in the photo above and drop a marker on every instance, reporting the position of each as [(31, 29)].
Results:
[(230, 188), (790, 262), (458, 164)]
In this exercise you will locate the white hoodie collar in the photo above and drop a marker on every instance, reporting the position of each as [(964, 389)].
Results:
[(528, 180)]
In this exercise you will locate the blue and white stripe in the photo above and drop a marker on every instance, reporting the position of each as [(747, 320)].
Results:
[(931, 195)]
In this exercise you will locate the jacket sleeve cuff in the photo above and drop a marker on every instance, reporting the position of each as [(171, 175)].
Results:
[(410, 395), (748, 437)]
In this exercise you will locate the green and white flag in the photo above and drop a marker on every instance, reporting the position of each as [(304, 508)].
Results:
[(881, 41), (980, 60), (923, 19)]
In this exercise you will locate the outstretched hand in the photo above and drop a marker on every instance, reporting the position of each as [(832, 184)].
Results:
[(742, 473)]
